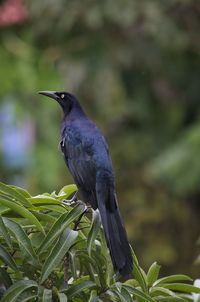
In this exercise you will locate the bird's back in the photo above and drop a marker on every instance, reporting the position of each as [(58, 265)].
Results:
[(86, 154)]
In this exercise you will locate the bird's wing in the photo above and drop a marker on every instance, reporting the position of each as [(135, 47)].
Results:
[(78, 156)]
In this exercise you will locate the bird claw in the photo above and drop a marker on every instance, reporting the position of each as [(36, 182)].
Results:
[(86, 210), (71, 201)]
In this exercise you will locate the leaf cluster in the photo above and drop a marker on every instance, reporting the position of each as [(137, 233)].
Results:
[(51, 251)]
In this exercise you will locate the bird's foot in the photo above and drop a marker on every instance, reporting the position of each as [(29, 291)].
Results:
[(71, 201), (77, 222)]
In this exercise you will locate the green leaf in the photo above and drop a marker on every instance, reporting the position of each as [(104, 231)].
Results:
[(67, 191), (138, 294), (46, 295), (43, 217), (72, 263), (14, 194), (54, 208), (5, 278), (21, 191), (6, 257), (63, 221), (29, 294), (172, 278), (58, 252), (43, 200), (62, 297), (187, 288), (171, 299), (96, 223), (93, 296), (75, 289), (118, 295), (4, 232), (138, 274), (16, 289), (126, 294), (22, 238), (153, 273), (23, 212), (157, 291)]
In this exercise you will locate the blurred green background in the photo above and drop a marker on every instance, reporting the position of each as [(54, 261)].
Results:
[(135, 66)]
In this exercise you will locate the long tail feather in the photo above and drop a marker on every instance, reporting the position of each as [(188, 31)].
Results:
[(115, 232)]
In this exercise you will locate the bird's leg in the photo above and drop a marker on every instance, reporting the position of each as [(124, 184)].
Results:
[(77, 222), (71, 201)]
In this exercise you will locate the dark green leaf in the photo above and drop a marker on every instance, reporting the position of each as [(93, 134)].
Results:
[(73, 290), (58, 252), (96, 223), (5, 278), (137, 293), (4, 232), (22, 238), (60, 224), (6, 257), (18, 288)]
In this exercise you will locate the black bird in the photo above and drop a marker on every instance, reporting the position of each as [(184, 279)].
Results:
[(87, 157)]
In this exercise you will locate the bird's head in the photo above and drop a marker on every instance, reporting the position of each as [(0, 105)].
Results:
[(65, 99)]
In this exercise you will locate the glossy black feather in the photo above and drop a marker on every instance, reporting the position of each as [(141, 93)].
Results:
[(86, 155)]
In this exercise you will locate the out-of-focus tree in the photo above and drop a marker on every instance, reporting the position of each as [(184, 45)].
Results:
[(135, 67)]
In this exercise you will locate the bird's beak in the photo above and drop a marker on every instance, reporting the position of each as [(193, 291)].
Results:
[(51, 94)]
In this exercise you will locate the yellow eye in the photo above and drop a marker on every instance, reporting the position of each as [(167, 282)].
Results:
[(62, 96)]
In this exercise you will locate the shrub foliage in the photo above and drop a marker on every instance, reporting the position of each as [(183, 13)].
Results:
[(52, 251)]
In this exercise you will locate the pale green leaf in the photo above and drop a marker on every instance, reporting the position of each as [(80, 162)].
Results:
[(187, 288), (138, 274), (153, 273), (14, 194), (43, 200), (67, 191), (72, 263), (22, 211), (46, 295), (171, 299), (157, 291), (20, 190), (62, 297), (172, 278)]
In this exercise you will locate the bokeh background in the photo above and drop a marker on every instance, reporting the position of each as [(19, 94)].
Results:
[(135, 66)]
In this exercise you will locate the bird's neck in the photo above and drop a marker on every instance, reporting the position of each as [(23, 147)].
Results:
[(73, 112)]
